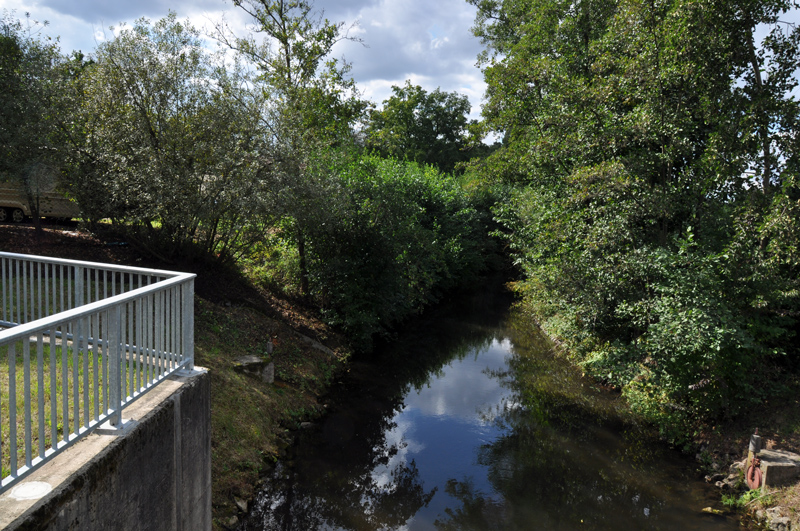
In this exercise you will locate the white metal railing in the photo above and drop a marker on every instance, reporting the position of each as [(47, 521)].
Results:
[(79, 341)]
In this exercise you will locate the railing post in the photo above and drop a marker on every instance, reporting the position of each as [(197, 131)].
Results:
[(79, 287), (115, 355), (188, 322)]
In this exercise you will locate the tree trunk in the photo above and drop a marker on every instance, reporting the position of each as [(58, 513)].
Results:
[(763, 119), (301, 251)]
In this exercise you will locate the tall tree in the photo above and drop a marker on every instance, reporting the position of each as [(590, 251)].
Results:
[(429, 128), (170, 143), (311, 104), (31, 82)]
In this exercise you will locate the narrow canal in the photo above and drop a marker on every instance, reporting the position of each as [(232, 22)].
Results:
[(471, 423)]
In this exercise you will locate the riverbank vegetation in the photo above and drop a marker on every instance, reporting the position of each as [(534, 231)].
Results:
[(647, 186), (652, 150)]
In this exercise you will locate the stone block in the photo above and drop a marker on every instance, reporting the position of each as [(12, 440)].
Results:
[(779, 467), (257, 367)]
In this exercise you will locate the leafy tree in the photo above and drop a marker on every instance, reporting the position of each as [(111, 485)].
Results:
[(31, 82), (394, 238), (310, 103), (652, 142), (429, 128), (169, 144)]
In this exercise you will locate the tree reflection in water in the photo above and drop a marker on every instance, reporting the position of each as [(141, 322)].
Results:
[(363, 487), (429, 441), (570, 457), (332, 504)]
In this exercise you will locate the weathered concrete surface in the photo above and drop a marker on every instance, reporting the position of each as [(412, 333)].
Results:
[(779, 467), (155, 476)]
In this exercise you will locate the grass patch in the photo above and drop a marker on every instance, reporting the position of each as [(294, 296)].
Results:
[(250, 418), (70, 392)]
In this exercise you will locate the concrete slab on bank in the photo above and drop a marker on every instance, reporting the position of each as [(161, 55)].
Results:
[(779, 467)]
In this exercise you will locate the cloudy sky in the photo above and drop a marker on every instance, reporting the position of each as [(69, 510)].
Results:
[(428, 42)]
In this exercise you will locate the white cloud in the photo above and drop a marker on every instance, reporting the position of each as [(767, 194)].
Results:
[(466, 389), (426, 42)]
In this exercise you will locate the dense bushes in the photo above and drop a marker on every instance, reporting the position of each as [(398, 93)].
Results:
[(394, 237)]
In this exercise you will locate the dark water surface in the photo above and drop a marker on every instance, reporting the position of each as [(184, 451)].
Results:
[(471, 423)]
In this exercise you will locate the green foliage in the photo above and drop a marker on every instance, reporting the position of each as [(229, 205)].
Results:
[(167, 144), (310, 106), (733, 501), (395, 237), (655, 215), (421, 127), (32, 80)]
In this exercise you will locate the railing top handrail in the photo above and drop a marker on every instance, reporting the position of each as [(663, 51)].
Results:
[(25, 330), (99, 265)]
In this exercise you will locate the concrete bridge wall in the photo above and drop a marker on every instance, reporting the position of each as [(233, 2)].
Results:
[(156, 475)]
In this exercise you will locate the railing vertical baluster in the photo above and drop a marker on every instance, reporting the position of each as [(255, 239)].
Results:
[(8, 291), (114, 333), (64, 382), (12, 407), (176, 326), (84, 345), (32, 297), (167, 354), (167, 329), (157, 332), (3, 284), (95, 320), (39, 314), (53, 388), (70, 287), (24, 281), (139, 338), (104, 359), (162, 337), (18, 301), (130, 349), (148, 339), (31, 272), (23, 301), (75, 326), (26, 375), (79, 287), (63, 293), (188, 323), (46, 282), (40, 387)]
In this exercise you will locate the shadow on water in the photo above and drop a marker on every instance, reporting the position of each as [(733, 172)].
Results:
[(469, 422)]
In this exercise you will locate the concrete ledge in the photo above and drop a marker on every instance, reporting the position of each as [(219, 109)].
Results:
[(779, 467), (155, 475)]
